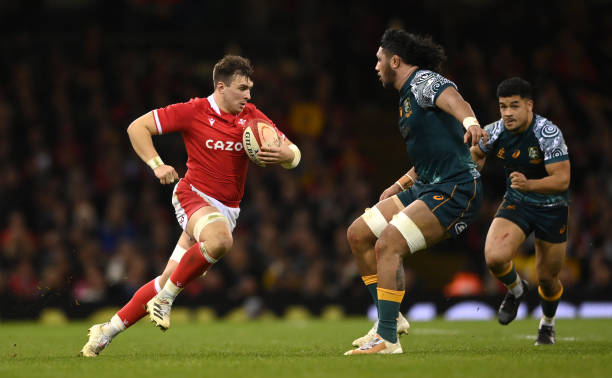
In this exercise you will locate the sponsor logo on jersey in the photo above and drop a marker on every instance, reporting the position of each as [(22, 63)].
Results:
[(501, 152), (460, 227), (516, 154), (227, 145)]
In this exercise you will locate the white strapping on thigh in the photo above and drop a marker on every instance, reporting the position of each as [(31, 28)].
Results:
[(205, 221), (409, 230), (375, 220)]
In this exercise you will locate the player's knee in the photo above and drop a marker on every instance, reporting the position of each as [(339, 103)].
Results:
[(356, 236), (493, 260), (219, 246), (385, 249)]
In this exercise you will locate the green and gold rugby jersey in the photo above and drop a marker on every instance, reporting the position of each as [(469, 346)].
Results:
[(528, 152), (434, 138)]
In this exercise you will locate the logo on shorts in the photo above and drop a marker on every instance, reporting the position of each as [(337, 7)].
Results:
[(438, 197), (563, 229), (501, 152), (460, 227), (510, 207)]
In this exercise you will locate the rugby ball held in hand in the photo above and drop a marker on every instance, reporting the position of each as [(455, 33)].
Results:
[(259, 133)]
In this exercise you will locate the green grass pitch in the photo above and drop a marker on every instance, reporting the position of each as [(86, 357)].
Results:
[(309, 348)]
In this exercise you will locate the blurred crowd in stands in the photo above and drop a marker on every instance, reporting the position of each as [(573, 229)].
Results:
[(84, 222)]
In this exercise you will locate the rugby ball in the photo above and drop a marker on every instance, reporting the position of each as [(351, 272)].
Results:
[(258, 133)]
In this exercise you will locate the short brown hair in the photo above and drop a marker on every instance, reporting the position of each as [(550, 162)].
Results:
[(229, 66)]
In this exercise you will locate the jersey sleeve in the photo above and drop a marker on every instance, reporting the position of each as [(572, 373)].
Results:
[(552, 144), (494, 130), (174, 117), (427, 86)]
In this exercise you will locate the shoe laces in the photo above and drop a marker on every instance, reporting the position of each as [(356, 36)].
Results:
[(370, 344), (164, 305)]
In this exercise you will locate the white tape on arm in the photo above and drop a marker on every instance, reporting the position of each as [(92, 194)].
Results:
[(409, 230)]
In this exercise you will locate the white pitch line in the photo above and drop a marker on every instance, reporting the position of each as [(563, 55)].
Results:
[(432, 331)]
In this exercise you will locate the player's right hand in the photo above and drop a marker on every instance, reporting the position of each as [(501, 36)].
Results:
[(389, 192), (166, 174)]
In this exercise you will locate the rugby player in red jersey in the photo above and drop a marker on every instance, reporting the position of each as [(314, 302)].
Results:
[(207, 199)]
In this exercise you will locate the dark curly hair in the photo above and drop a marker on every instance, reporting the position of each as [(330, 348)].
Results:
[(416, 50), (515, 86), (230, 65)]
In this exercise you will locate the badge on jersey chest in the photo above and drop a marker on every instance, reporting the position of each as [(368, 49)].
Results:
[(534, 155), (406, 108)]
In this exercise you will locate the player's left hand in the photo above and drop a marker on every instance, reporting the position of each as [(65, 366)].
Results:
[(275, 155), (473, 135), (519, 182)]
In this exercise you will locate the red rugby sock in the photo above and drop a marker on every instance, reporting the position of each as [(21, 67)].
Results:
[(134, 310), (192, 265)]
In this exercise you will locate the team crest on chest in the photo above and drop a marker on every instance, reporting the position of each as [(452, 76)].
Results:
[(406, 108), (534, 155)]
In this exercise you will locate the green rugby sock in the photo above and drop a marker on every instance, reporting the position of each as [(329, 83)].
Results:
[(511, 279), (371, 283), (549, 304), (388, 307)]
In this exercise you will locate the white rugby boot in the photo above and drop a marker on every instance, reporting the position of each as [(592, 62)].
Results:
[(377, 346), (159, 311), (402, 328), (96, 343)]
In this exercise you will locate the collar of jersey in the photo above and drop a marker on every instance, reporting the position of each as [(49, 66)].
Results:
[(221, 113)]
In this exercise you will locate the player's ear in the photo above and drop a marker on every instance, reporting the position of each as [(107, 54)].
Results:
[(530, 104), (220, 86), (395, 61)]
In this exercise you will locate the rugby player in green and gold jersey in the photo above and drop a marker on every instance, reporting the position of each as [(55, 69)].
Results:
[(537, 167), (436, 199)]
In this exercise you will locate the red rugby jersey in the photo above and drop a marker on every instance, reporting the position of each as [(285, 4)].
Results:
[(216, 162)]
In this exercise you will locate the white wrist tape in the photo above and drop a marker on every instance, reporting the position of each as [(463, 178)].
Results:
[(297, 155), (470, 121), (155, 162)]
